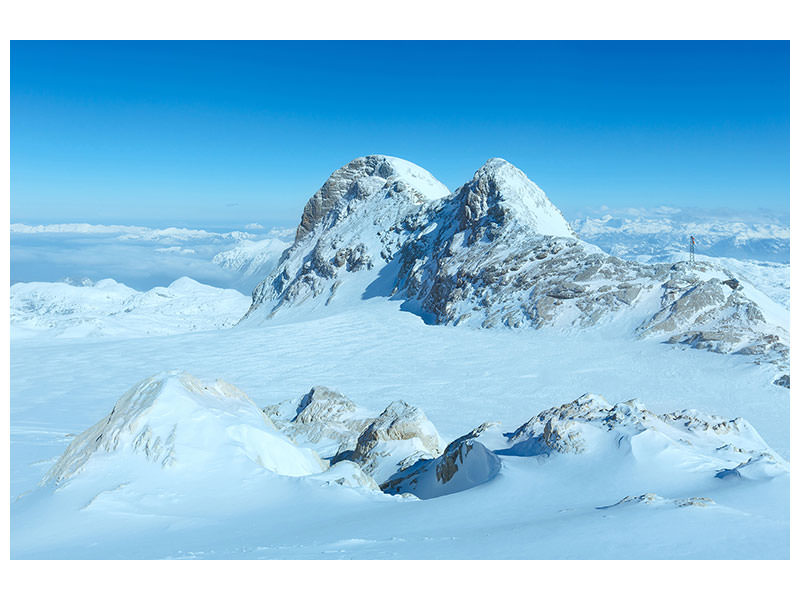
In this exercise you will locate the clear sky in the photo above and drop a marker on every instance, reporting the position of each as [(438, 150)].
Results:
[(204, 133)]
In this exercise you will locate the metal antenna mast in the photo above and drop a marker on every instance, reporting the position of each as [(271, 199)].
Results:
[(692, 243)]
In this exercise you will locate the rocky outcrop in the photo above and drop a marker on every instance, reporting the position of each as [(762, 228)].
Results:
[(783, 381), (656, 500), (721, 447), (712, 314), (464, 464), (397, 438), (336, 427), (324, 419)]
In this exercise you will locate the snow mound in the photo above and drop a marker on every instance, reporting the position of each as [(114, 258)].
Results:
[(110, 308), (175, 421), (347, 474), (464, 464), (400, 436), (688, 440)]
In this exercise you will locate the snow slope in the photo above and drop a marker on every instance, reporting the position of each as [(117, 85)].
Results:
[(108, 308), (459, 377)]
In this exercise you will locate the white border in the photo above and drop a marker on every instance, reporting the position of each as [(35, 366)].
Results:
[(409, 19)]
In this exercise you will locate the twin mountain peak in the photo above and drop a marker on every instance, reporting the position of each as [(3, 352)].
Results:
[(496, 252)]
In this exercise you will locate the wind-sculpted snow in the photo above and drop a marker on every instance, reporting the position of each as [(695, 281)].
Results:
[(174, 420), (627, 432), (110, 308), (498, 253)]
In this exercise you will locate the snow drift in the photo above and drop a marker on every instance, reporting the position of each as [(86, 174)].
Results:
[(176, 421)]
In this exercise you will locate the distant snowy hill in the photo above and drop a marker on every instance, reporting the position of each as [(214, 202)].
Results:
[(661, 233), (252, 259), (497, 252), (145, 257), (110, 308)]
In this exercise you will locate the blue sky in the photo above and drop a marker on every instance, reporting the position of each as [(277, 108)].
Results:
[(217, 133)]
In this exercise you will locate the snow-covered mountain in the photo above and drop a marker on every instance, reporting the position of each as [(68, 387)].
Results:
[(497, 252), (354, 224), (663, 232), (104, 308)]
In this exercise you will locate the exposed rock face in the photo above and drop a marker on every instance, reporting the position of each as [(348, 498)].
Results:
[(358, 181), (398, 437), (174, 418), (464, 464), (782, 381), (714, 315), (355, 222), (324, 419), (498, 253), (336, 427), (499, 195)]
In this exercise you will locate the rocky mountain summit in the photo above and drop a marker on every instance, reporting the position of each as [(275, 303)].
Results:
[(497, 253)]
